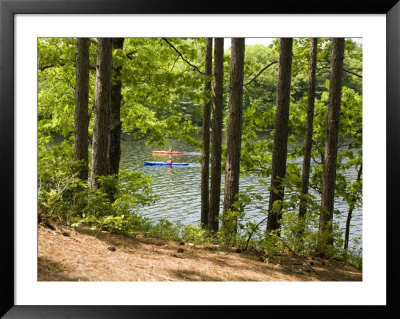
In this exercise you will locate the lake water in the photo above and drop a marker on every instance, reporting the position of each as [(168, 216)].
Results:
[(179, 187)]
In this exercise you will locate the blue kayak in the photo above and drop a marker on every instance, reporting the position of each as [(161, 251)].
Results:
[(164, 163)]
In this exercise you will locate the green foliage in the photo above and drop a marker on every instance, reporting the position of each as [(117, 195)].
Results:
[(228, 232), (57, 180), (162, 95), (196, 235), (165, 229), (62, 195), (234, 228), (56, 85)]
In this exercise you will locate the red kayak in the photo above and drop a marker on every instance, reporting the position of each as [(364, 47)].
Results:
[(167, 152)]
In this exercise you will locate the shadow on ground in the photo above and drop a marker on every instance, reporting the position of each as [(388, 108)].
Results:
[(49, 270)]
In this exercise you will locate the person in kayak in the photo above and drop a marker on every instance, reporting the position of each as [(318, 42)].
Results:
[(169, 160)]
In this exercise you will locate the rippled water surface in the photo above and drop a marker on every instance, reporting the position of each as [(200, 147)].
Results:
[(179, 186)]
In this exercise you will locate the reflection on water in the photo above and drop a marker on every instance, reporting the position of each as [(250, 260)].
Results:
[(179, 191)]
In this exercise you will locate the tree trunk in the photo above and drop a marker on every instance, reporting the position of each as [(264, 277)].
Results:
[(281, 132), (232, 170), (114, 136), (309, 127), (81, 105), (216, 134), (349, 214), (102, 110), (331, 139), (205, 156)]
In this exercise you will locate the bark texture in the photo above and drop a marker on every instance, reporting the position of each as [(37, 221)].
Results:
[(350, 213), (331, 138), (81, 105), (205, 156), (102, 110), (216, 134), (234, 140), (309, 126), (281, 132), (114, 136)]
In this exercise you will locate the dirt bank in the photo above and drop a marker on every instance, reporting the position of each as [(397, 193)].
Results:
[(66, 254)]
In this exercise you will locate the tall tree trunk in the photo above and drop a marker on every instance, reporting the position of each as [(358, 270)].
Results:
[(102, 110), (281, 132), (331, 140), (205, 156), (114, 136), (216, 134), (309, 128), (350, 212), (81, 105), (234, 140)]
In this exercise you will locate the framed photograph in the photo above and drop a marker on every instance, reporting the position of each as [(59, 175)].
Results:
[(26, 295)]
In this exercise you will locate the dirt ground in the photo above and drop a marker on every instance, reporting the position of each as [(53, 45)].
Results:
[(66, 254)]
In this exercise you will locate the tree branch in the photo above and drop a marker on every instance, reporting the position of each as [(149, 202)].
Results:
[(177, 57), (355, 74), (252, 232), (48, 66), (180, 54), (44, 67), (298, 256), (283, 242), (258, 74), (345, 70)]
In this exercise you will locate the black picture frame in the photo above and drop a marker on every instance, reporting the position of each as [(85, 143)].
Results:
[(8, 9)]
